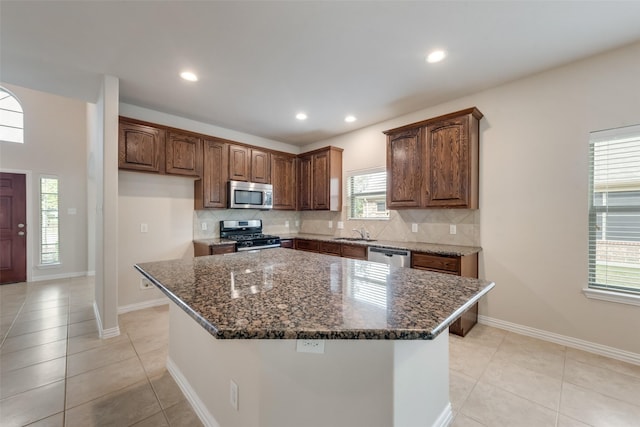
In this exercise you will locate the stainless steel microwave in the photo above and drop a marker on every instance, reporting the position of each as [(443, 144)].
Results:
[(250, 195)]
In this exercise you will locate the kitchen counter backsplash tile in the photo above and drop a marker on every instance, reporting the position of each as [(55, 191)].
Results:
[(433, 224), (284, 294)]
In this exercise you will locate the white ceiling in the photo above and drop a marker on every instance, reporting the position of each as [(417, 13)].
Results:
[(261, 62)]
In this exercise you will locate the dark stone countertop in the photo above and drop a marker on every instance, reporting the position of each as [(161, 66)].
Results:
[(432, 248), (284, 294)]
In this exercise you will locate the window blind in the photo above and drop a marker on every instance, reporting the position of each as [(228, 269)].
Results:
[(614, 210), (367, 194), (49, 221)]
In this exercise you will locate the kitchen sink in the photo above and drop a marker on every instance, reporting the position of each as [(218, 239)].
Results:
[(354, 239)]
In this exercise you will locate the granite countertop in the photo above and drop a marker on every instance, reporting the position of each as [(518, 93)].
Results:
[(432, 248), (284, 294)]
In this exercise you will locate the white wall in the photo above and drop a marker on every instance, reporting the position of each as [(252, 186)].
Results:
[(533, 191), (55, 144)]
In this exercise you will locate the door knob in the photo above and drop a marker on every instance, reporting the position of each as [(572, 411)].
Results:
[(20, 233), (20, 225)]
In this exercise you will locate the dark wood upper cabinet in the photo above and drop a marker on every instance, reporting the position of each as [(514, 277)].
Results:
[(260, 166), (404, 166), (320, 180), (304, 183), (434, 163), (183, 154), (141, 147), (239, 163), (283, 179), (211, 190)]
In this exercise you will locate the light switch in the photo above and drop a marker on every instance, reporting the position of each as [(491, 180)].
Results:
[(144, 228), (414, 228), (452, 229), (72, 211), (340, 225)]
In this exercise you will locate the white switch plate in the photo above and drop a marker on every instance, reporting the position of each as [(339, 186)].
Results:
[(414, 228), (452, 229), (203, 226), (144, 228), (72, 211), (340, 225), (233, 394), (297, 223), (286, 224), (310, 346), (330, 224)]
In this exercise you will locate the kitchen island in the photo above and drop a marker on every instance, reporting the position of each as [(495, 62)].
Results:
[(240, 317)]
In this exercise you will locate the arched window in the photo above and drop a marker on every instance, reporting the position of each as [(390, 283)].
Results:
[(11, 118)]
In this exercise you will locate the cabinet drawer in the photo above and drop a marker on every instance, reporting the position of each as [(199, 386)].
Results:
[(439, 263), (307, 245), (202, 249), (222, 249), (286, 243), (354, 251), (331, 248)]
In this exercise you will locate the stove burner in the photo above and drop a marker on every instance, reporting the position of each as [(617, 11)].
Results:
[(248, 235)]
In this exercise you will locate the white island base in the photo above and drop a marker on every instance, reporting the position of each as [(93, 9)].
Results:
[(354, 383)]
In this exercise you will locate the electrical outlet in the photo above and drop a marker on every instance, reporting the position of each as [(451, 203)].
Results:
[(452, 229), (414, 228), (233, 394), (203, 226), (330, 224), (144, 228), (297, 223), (310, 346), (286, 224), (145, 284), (340, 225)]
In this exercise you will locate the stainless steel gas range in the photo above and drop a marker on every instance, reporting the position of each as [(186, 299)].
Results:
[(248, 235)]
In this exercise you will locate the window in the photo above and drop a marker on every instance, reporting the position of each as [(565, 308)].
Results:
[(49, 225), (367, 195), (614, 210), (11, 118)]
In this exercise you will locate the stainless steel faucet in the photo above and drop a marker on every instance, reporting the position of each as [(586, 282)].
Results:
[(364, 234)]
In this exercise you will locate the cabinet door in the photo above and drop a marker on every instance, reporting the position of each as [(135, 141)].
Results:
[(331, 248), (304, 183), (211, 190), (239, 163), (283, 179), (320, 181), (260, 167), (353, 251), (183, 154), (307, 245), (404, 165), (447, 164), (140, 147)]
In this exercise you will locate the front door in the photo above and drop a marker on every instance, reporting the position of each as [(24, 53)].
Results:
[(13, 228)]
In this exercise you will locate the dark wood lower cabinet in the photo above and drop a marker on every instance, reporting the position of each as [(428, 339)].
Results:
[(307, 245), (286, 243), (353, 251), (466, 266), (202, 249)]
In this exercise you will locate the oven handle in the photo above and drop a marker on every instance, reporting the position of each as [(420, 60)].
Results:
[(257, 248)]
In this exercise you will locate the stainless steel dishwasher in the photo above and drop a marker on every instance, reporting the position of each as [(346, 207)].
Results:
[(395, 257)]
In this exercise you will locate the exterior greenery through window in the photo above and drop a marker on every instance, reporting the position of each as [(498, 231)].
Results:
[(49, 221), (11, 118), (367, 194), (614, 210)]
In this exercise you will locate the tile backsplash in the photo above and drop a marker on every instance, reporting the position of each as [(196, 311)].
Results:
[(433, 224)]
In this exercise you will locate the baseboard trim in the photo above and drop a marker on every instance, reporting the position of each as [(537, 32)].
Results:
[(104, 333), (198, 406), (142, 305), (602, 350), (59, 276)]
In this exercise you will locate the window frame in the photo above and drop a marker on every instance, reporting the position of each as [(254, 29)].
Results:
[(350, 197), (41, 242), (608, 291), (20, 111)]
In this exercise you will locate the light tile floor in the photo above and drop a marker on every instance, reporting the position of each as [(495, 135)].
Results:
[(55, 371)]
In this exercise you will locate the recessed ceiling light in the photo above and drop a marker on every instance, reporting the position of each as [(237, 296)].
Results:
[(301, 116), (350, 119), (189, 76), (436, 56)]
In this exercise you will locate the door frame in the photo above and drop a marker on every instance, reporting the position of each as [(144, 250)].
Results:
[(31, 234)]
